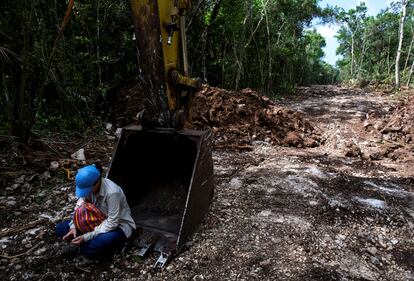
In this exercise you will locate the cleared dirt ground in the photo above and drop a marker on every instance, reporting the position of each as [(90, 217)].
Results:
[(279, 213)]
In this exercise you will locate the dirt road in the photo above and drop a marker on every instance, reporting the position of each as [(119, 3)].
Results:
[(279, 213)]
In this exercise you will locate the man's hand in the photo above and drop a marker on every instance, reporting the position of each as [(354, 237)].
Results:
[(70, 235), (78, 240)]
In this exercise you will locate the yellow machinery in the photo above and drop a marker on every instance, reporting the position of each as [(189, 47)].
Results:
[(164, 167), (162, 58)]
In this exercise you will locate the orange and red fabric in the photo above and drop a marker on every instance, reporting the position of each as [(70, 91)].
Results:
[(87, 217)]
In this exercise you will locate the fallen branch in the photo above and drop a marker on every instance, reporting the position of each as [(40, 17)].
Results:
[(82, 269), (22, 228), (21, 254)]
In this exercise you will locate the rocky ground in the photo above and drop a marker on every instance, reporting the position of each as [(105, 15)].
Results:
[(343, 210)]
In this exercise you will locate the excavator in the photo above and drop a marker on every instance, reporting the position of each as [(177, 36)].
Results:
[(164, 166)]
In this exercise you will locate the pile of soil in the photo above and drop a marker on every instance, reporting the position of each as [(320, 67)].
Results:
[(238, 118), (398, 123), (394, 131)]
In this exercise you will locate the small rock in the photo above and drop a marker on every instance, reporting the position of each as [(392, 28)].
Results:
[(372, 251), (353, 150), (11, 203), (40, 251), (313, 203), (20, 179), (32, 178), (48, 203), (46, 174), (265, 213), (341, 237), (394, 241), (365, 156), (198, 277), (235, 183), (54, 165), (382, 243), (293, 139), (79, 155), (310, 142), (265, 263), (375, 261), (376, 155)]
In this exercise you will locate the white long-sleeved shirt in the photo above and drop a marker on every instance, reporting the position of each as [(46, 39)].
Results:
[(112, 202)]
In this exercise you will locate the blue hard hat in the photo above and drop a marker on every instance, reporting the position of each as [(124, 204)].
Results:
[(85, 180)]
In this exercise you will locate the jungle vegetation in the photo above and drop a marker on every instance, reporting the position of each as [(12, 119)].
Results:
[(58, 57)]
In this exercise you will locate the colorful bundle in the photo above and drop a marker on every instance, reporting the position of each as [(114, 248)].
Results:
[(87, 217)]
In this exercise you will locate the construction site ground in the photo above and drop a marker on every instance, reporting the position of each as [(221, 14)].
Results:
[(341, 208)]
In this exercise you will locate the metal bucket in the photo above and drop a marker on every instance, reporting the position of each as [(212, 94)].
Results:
[(167, 177)]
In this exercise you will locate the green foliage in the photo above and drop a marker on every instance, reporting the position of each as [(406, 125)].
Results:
[(95, 53), (55, 81), (368, 45), (262, 44)]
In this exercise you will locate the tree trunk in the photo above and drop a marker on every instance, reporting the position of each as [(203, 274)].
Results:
[(239, 47), (269, 49), (388, 57), (400, 41), (352, 55), (98, 50), (204, 36), (409, 52), (19, 120), (361, 60), (410, 75)]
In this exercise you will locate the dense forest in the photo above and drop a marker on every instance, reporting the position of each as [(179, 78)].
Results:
[(377, 48), (58, 57)]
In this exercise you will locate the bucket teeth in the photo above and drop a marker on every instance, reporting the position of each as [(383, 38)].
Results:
[(144, 250), (163, 244), (145, 242), (162, 260)]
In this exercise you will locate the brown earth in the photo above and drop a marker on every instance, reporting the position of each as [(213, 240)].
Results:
[(238, 118), (278, 213), (400, 121)]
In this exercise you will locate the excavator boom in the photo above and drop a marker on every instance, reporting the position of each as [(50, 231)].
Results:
[(162, 59)]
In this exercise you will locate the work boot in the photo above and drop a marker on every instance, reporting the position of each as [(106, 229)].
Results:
[(83, 261), (67, 251)]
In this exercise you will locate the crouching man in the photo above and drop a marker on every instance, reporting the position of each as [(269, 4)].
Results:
[(102, 219)]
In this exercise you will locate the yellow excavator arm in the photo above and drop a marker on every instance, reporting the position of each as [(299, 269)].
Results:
[(163, 61)]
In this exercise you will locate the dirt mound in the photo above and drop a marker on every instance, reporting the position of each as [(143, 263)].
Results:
[(398, 123), (395, 130), (238, 118)]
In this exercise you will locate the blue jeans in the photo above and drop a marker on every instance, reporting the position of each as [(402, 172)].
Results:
[(104, 245)]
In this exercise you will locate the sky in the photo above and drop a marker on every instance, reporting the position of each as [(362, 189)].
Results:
[(329, 31)]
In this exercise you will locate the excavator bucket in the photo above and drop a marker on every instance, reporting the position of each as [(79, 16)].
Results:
[(167, 177)]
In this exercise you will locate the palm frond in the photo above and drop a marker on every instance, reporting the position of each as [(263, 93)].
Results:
[(9, 58)]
